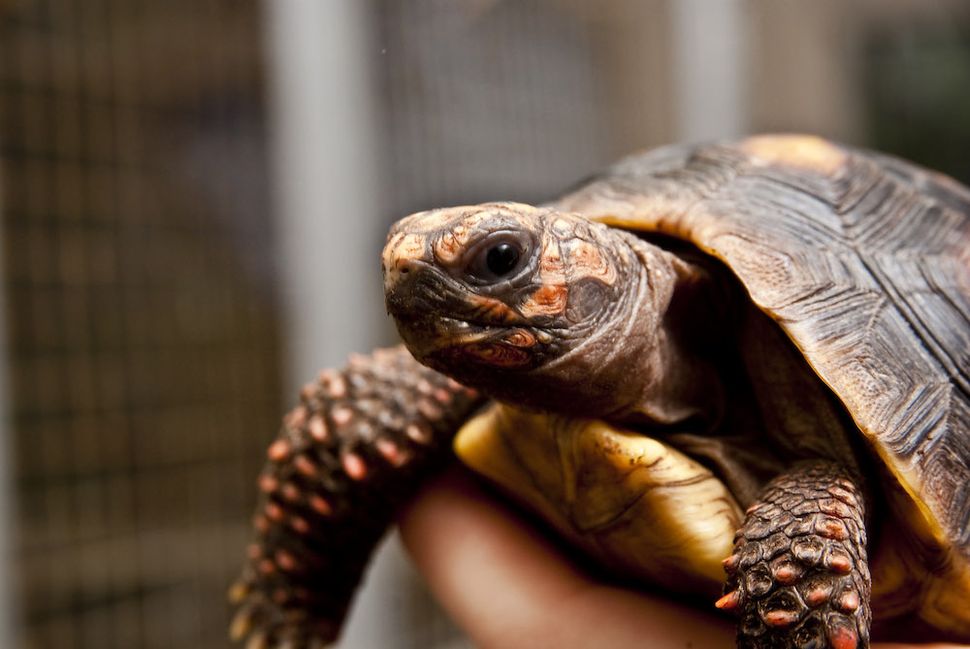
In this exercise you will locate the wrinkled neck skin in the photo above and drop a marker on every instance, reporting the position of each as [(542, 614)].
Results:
[(638, 366)]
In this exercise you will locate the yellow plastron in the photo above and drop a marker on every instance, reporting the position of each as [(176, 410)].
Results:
[(639, 506)]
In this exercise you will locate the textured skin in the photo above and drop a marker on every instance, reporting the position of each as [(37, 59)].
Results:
[(863, 260), (358, 445), (799, 575)]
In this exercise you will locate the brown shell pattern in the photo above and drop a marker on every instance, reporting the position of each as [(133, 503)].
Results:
[(864, 261)]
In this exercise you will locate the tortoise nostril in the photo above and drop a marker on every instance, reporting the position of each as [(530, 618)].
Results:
[(405, 265)]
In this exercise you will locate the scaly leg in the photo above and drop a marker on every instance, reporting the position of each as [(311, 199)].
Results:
[(799, 575), (355, 449)]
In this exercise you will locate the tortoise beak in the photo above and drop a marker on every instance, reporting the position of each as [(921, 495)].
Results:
[(428, 311), (403, 254), (409, 291), (418, 295), (403, 281)]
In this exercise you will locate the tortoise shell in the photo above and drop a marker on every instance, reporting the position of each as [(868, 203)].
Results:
[(863, 261)]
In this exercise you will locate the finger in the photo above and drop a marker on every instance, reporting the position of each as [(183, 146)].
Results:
[(508, 587)]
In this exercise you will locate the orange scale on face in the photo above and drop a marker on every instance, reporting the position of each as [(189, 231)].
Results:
[(551, 297), (520, 338), (547, 300), (494, 310)]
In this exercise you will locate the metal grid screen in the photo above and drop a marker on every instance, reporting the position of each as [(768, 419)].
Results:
[(143, 334), (488, 101)]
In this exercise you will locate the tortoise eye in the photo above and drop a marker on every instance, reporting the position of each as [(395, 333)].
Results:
[(497, 258), (502, 259)]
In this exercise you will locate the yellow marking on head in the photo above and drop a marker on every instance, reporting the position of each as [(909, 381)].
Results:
[(800, 151)]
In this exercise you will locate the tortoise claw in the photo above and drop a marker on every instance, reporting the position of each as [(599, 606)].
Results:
[(729, 602)]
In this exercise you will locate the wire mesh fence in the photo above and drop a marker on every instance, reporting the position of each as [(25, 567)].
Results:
[(143, 334)]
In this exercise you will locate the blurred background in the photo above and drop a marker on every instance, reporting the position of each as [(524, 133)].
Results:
[(194, 193)]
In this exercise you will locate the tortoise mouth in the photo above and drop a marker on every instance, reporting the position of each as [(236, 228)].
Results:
[(448, 343), (505, 350), (458, 331), (433, 310), (455, 333)]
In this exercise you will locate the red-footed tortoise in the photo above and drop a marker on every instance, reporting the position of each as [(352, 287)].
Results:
[(747, 358)]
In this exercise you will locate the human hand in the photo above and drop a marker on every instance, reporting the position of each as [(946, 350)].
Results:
[(508, 587)]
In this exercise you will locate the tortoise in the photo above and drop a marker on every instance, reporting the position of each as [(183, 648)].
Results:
[(735, 371)]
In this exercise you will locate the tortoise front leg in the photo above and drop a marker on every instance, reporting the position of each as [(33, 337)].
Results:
[(799, 575), (356, 448)]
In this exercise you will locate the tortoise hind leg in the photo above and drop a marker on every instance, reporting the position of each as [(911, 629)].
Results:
[(356, 448), (799, 576)]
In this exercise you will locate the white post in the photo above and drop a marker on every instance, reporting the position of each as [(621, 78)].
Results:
[(709, 68), (324, 125), (9, 612), (323, 122)]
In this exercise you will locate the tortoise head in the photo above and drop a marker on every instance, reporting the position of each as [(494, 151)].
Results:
[(530, 305)]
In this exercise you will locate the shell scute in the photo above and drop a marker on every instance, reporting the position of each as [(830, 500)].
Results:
[(862, 259)]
